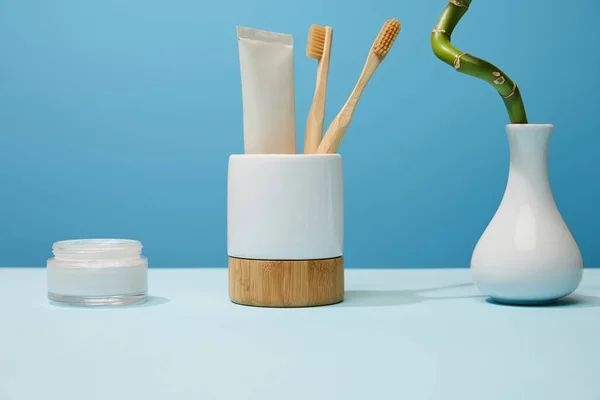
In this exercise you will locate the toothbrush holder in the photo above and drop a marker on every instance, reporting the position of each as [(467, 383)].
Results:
[(285, 229)]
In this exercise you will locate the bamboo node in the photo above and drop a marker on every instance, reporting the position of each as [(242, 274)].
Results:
[(438, 30), (457, 61), (513, 90), (459, 3)]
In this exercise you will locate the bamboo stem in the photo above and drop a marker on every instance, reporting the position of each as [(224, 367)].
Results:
[(473, 66)]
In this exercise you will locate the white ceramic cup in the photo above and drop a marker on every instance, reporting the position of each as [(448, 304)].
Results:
[(285, 206)]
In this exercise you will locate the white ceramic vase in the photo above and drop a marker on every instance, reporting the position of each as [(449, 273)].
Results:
[(527, 254)]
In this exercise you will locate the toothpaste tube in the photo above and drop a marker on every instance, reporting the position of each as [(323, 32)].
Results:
[(267, 70)]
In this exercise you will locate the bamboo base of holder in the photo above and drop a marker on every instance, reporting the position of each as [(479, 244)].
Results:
[(274, 283)]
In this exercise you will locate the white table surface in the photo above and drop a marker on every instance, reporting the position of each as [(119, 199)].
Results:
[(400, 334)]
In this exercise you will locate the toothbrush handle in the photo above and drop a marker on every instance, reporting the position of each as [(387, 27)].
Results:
[(336, 131), (315, 122)]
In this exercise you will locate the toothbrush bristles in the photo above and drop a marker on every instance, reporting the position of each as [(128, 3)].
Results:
[(316, 42), (386, 37)]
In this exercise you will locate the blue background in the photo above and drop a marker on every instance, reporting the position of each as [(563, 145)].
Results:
[(117, 119)]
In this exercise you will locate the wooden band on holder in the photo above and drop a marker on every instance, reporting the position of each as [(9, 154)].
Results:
[(286, 283)]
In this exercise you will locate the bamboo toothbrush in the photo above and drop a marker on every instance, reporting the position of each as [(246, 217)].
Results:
[(319, 48), (339, 126)]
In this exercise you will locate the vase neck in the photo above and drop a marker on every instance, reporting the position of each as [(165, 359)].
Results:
[(529, 158)]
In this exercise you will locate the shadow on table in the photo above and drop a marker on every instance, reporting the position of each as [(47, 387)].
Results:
[(152, 301), (387, 298), (573, 301)]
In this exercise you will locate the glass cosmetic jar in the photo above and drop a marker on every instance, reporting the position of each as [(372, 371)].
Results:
[(97, 272)]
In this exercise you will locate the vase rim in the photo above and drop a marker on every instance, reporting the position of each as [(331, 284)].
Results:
[(532, 125)]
